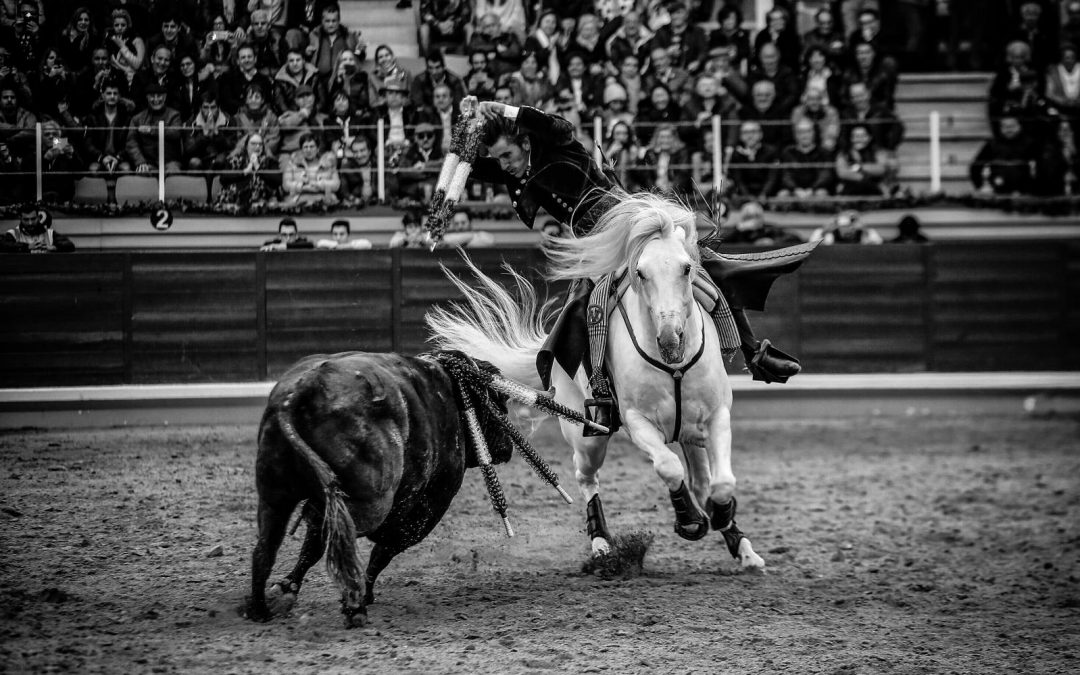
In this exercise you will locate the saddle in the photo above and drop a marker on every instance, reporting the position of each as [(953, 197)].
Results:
[(603, 407)]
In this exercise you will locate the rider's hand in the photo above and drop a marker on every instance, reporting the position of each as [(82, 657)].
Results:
[(492, 110)]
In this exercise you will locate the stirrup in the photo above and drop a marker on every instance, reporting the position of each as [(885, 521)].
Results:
[(769, 364), (601, 410)]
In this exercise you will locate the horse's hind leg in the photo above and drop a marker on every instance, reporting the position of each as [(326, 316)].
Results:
[(273, 520), (721, 503)]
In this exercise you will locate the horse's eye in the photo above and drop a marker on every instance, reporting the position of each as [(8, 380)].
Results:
[(641, 275), (686, 270)]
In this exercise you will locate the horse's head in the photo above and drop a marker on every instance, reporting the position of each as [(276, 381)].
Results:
[(662, 277)]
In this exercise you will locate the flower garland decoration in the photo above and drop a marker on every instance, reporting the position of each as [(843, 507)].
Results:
[(464, 146)]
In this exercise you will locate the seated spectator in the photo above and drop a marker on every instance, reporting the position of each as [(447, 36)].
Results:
[(687, 42), (311, 175), (479, 81), (632, 37), (868, 70), (887, 130), (666, 166), (343, 124), (784, 80), (269, 45), (1059, 166), (909, 232), (818, 74), (33, 235), (659, 108), (234, 85), (219, 46), (632, 82), (731, 35), (353, 81), (503, 48), (730, 81), (806, 169), (288, 237), (774, 120), (423, 85), (399, 117), (780, 32), (825, 118), (357, 172), (563, 106), (420, 164), (615, 106), (387, 67), (846, 228), (1004, 165), (295, 73), (586, 89), (460, 233), (828, 38), (442, 24), (412, 234), (53, 84), (253, 178), (25, 39), (751, 228), (861, 167), (530, 85), (866, 30), (299, 119), (622, 152), (210, 137), (341, 238), (174, 38), (160, 72), (106, 133), (126, 49), (677, 80), (1008, 90), (329, 39), (588, 43), (1030, 32), (61, 163), (90, 82), (444, 115), (753, 169), (17, 124), (79, 38), (512, 14), (142, 136), (256, 117), (1063, 84), (707, 101), (703, 167), (544, 43), (189, 87)]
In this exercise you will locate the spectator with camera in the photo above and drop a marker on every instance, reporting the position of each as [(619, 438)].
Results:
[(33, 235), (25, 39), (61, 163), (288, 237), (350, 80), (106, 133), (329, 39), (210, 137)]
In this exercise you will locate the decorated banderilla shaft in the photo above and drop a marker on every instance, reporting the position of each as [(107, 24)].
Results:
[(529, 453), (536, 399), (495, 491)]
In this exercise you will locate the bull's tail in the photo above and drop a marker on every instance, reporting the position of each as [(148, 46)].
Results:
[(492, 324), (339, 531)]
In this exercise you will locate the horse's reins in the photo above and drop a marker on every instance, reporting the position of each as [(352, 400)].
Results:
[(675, 373)]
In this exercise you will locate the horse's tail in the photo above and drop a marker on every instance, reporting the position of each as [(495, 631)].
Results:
[(492, 324), (339, 530)]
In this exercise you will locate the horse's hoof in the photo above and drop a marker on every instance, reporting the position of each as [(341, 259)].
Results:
[(600, 546), (256, 614), (749, 561)]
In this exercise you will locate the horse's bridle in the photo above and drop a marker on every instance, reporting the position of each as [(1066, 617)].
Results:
[(675, 373)]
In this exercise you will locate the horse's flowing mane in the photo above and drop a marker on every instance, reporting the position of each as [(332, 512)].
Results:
[(619, 237)]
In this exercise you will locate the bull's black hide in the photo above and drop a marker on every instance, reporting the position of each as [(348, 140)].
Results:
[(375, 445)]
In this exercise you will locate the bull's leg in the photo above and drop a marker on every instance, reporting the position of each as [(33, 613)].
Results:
[(690, 521), (721, 503), (273, 519), (380, 557), (310, 553)]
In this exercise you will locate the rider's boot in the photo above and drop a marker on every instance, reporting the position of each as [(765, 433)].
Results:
[(764, 361)]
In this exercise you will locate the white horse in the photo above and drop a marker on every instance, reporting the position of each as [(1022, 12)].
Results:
[(663, 355)]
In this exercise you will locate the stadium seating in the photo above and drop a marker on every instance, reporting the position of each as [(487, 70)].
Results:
[(136, 189), (91, 190), (187, 188)]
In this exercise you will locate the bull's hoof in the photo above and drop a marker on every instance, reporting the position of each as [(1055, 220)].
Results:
[(282, 596), (355, 618), (254, 612)]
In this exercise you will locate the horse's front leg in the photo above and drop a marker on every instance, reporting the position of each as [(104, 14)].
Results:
[(721, 502), (690, 521)]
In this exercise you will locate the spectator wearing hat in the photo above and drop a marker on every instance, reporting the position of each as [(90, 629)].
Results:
[(106, 131), (400, 117), (300, 118), (435, 72), (686, 42), (142, 136), (615, 105), (288, 237), (257, 117), (329, 39), (341, 238), (730, 81), (420, 163), (586, 90), (293, 74), (210, 136), (234, 84)]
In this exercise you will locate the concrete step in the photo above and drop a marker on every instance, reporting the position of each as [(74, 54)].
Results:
[(943, 87), (916, 111), (968, 126), (380, 22), (952, 152)]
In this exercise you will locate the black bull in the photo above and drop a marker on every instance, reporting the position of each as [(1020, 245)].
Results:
[(374, 445)]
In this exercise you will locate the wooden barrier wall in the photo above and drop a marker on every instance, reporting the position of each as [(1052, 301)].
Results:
[(225, 316)]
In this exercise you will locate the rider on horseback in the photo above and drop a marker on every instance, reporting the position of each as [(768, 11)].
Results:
[(541, 163)]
